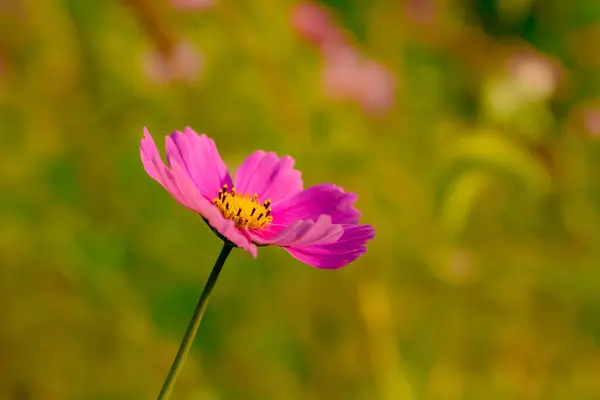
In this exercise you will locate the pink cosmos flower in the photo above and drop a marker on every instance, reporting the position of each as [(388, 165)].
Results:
[(265, 204)]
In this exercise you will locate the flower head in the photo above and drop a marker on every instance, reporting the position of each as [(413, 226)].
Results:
[(264, 205)]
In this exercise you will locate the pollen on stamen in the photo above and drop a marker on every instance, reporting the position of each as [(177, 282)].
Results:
[(242, 209)]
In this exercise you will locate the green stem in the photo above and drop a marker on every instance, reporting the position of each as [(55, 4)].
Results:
[(190, 334)]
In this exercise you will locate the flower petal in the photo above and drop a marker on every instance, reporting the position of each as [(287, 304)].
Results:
[(269, 176), (301, 233), (348, 248), (199, 156), (200, 204), (180, 185), (148, 152), (326, 199)]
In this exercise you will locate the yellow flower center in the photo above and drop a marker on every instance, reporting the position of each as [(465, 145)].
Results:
[(245, 211)]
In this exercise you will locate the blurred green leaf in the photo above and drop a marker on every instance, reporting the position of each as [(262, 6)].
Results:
[(490, 149), (461, 197)]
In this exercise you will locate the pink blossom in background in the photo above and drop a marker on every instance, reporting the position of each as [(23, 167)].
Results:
[(591, 122), (184, 64), (347, 74), (339, 74), (537, 74), (378, 87), (264, 204), (313, 23), (193, 5), (350, 76)]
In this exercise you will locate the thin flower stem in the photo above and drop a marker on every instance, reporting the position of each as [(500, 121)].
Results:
[(192, 328)]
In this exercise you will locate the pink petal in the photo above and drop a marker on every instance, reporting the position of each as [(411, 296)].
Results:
[(348, 248), (302, 233), (199, 156), (198, 203), (148, 152), (180, 185), (269, 176), (326, 199)]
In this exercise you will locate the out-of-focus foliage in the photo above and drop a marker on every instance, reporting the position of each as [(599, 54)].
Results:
[(482, 180)]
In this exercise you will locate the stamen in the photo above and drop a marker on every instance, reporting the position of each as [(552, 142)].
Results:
[(243, 209)]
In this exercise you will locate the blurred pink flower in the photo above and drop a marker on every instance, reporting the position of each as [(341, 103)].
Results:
[(349, 76), (537, 74), (378, 86), (314, 24), (264, 204), (591, 122), (339, 74), (183, 64), (193, 5)]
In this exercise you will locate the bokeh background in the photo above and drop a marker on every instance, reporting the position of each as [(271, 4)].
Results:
[(469, 129)]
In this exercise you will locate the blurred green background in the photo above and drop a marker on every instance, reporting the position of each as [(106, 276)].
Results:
[(480, 172)]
